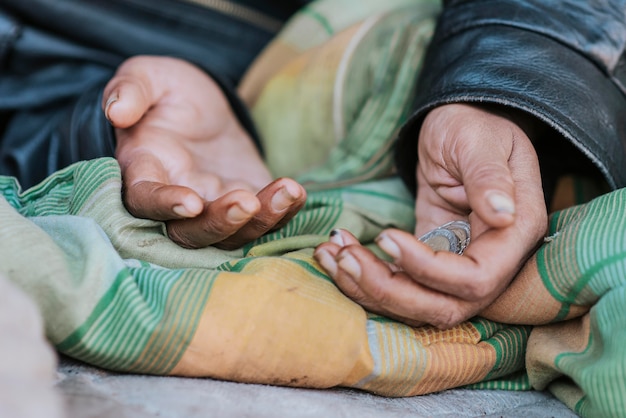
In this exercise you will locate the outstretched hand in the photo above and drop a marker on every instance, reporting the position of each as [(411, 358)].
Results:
[(474, 164), (186, 160)]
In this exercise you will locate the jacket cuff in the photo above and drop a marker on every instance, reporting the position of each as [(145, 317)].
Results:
[(530, 72)]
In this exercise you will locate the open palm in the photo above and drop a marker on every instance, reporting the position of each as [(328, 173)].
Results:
[(186, 160)]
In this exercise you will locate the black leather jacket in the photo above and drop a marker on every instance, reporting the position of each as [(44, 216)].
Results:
[(562, 62), (57, 55)]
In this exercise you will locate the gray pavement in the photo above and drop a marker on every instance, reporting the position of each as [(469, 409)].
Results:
[(93, 393)]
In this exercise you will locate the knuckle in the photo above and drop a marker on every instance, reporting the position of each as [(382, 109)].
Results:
[(180, 238), (486, 173), (449, 318), (353, 292), (380, 294), (478, 285), (477, 290), (132, 203), (361, 299)]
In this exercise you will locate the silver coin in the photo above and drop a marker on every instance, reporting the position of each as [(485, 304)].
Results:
[(453, 236)]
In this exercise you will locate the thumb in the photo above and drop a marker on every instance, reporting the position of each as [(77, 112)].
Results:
[(128, 95), (490, 188)]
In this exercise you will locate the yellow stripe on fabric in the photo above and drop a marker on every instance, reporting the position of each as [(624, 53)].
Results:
[(399, 361), (416, 361), (456, 358), (282, 325), (527, 300), (304, 273), (303, 259)]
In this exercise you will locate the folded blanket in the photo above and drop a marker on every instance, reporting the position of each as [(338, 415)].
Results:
[(329, 93), (115, 292)]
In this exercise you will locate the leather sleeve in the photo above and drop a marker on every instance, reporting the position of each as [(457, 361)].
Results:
[(50, 92), (561, 62), (54, 68)]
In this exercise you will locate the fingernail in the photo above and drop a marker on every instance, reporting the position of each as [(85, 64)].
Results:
[(348, 263), (282, 200), (112, 99), (327, 261), (237, 214), (335, 237), (501, 203), (388, 246), (181, 210)]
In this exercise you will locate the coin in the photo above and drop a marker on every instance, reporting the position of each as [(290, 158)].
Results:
[(453, 236)]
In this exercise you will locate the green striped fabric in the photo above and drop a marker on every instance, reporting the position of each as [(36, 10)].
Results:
[(115, 292), (62, 242), (347, 91), (585, 264)]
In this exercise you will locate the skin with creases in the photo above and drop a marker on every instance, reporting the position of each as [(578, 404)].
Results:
[(186, 160), (476, 164)]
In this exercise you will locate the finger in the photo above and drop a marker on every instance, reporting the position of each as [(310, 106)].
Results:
[(279, 201), (466, 152), (285, 203), (485, 269), (327, 259), (394, 294), (219, 220), (126, 99), (342, 238), (148, 194), (161, 202), (326, 252), (431, 210), (488, 181)]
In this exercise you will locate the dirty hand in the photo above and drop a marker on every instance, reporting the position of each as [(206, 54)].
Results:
[(474, 164), (186, 160)]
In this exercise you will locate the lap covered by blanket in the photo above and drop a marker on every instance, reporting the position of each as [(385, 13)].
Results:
[(115, 292)]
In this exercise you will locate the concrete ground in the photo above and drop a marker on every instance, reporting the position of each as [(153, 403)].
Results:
[(89, 392)]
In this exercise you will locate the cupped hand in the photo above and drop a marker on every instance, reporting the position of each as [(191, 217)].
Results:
[(186, 160), (474, 164)]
